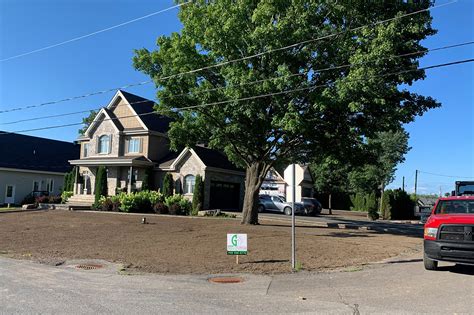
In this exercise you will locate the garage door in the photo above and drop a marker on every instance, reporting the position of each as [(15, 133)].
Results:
[(224, 195)]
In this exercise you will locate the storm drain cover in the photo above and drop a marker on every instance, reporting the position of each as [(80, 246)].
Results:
[(226, 280), (89, 266)]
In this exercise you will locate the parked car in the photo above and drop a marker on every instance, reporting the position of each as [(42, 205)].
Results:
[(449, 230), (312, 206), (278, 204)]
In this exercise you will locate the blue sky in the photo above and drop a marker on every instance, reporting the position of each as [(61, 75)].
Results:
[(442, 140)]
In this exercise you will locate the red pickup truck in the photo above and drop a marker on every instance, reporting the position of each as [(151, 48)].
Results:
[(449, 230)]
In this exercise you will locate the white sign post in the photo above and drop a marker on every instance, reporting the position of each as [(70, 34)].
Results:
[(237, 245)]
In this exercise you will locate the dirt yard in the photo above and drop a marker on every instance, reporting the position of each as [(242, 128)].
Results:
[(188, 245)]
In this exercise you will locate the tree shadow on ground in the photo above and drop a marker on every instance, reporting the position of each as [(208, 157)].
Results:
[(268, 261), (348, 234)]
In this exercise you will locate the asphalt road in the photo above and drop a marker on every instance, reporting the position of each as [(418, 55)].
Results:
[(389, 288)]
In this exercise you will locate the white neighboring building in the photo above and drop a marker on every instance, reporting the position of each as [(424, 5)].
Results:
[(275, 184), (32, 165)]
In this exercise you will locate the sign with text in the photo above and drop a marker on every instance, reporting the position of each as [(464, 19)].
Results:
[(236, 244)]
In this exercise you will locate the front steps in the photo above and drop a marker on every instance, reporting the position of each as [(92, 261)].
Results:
[(80, 202)]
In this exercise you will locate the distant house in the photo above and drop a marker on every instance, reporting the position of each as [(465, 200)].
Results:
[(131, 141), (276, 184), (31, 164)]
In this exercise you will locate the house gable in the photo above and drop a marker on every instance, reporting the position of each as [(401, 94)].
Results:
[(125, 113)]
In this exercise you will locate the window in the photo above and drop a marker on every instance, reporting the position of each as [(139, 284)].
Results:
[(85, 150), (49, 185), (134, 145), (36, 185), (188, 186), (104, 144), (9, 192)]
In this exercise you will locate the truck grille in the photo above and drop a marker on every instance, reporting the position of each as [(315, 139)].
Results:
[(457, 233)]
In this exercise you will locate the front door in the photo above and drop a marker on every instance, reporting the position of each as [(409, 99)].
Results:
[(10, 194)]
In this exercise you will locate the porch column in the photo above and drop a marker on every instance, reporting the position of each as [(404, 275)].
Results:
[(74, 189), (129, 186)]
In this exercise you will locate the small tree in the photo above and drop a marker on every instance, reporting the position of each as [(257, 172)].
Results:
[(146, 183), (100, 184), (168, 185), (198, 195)]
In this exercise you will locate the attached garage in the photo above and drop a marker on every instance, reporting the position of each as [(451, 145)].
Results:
[(224, 195)]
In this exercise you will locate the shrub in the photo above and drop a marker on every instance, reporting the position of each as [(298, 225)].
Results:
[(109, 204), (54, 199), (358, 202), (178, 205), (160, 208), (371, 204), (168, 185), (198, 195), (386, 211), (141, 202), (100, 184), (29, 199), (65, 195), (401, 205), (42, 199)]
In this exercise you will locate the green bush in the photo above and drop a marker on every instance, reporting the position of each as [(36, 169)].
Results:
[(198, 195), (100, 185), (65, 195), (386, 208), (168, 185), (402, 206), (371, 204), (365, 202), (358, 202), (178, 205), (142, 201)]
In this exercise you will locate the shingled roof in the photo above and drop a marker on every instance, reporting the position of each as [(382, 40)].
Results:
[(34, 153), (140, 105)]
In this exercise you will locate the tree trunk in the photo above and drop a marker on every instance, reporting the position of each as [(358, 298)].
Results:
[(254, 176), (330, 203)]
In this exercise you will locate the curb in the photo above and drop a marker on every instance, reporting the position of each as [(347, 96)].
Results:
[(24, 210)]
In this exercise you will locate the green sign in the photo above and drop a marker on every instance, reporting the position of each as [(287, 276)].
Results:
[(236, 244)]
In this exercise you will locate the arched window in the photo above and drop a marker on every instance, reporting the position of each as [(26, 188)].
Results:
[(104, 144), (188, 185)]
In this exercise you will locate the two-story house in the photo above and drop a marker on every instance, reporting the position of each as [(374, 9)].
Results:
[(130, 140)]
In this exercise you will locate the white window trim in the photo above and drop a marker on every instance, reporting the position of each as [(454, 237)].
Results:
[(85, 150), (139, 144), (109, 149), (186, 189)]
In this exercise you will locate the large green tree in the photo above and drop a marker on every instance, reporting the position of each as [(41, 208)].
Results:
[(354, 103), (87, 121)]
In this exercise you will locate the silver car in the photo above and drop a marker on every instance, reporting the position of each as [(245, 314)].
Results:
[(278, 204)]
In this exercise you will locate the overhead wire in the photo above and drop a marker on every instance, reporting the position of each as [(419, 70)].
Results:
[(229, 61), (249, 98), (256, 81), (93, 33)]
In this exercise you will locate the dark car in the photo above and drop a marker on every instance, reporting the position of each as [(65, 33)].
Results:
[(312, 206)]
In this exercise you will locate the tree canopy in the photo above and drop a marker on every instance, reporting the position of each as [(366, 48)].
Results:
[(289, 103), (87, 121)]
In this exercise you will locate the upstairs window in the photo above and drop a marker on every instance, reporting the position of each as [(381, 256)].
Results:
[(189, 182), (104, 144), (85, 150), (134, 145)]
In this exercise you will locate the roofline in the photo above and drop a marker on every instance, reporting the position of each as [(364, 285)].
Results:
[(96, 118), (31, 171), (119, 93)]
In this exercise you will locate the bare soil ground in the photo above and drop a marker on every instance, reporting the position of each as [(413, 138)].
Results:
[(188, 245)]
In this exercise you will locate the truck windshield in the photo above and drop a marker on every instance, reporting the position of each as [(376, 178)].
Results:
[(455, 207)]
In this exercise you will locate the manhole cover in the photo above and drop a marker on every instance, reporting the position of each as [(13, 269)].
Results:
[(89, 266), (225, 280)]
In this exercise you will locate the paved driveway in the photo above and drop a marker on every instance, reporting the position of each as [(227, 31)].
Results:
[(396, 287)]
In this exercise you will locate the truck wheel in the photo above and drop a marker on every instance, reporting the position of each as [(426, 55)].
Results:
[(287, 210), (430, 264)]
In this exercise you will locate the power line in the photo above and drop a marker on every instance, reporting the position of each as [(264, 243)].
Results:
[(257, 81), (229, 61), (442, 175), (250, 97), (93, 33)]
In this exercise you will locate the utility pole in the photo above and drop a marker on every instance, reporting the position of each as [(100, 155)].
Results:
[(416, 180), (293, 238), (403, 183)]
